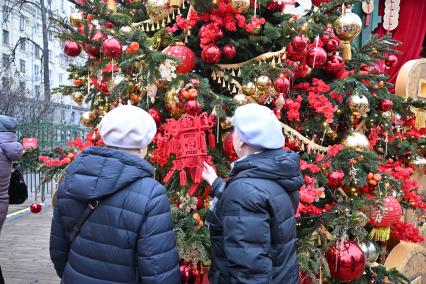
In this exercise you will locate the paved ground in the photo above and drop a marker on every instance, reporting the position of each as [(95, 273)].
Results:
[(24, 247)]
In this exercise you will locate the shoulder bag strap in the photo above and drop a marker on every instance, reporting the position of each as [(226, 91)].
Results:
[(90, 208)]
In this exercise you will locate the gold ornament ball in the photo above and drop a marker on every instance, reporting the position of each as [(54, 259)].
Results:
[(226, 123), (348, 26), (358, 104), (171, 100), (263, 82), (76, 20), (157, 9), (240, 99), (357, 141), (240, 6), (260, 97), (388, 115), (125, 29), (331, 134), (256, 30), (86, 119), (78, 98), (249, 89), (161, 84)]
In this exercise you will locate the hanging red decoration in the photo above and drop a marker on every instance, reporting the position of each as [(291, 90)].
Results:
[(346, 261), (319, 2), (294, 55), (391, 61), (274, 7), (383, 218), (112, 48), (386, 105), (72, 48), (331, 45), (155, 115), (316, 57), (282, 84), (299, 42), (211, 54), (335, 179), (93, 50), (81, 29), (228, 147), (334, 65), (193, 107), (36, 208), (229, 51), (187, 141), (185, 56)]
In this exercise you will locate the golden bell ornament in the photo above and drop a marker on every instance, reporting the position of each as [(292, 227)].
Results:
[(78, 98), (125, 29), (263, 82), (240, 6), (172, 103), (226, 123), (157, 9), (357, 141), (86, 119), (347, 27), (76, 19), (240, 99), (358, 104), (249, 89)]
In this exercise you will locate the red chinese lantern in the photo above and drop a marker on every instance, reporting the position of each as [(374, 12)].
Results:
[(346, 261), (385, 217), (185, 55)]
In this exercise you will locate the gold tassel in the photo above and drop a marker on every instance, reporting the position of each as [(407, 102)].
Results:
[(219, 80), (111, 5), (233, 73), (234, 89), (163, 24), (158, 26), (239, 72), (223, 84), (168, 19), (273, 61), (347, 52), (380, 234)]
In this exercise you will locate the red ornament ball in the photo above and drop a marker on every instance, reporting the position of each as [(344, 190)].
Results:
[(35, 208), (386, 105), (185, 56), (282, 84), (335, 179), (274, 7), (112, 48), (346, 261), (319, 2), (294, 55), (155, 115), (391, 61), (316, 57), (299, 42), (229, 51), (334, 65), (193, 107), (81, 29), (72, 48), (390, 214), (331, 45), (93, 50), (301, 71), (228, 147), (211, 54)]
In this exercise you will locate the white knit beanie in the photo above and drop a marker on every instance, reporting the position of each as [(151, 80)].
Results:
[(258, 126), (127, 127)]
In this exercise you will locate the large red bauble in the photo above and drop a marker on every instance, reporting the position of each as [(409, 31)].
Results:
[(301, 71), (229, 51), (72, 48), (386, 105), (346, 261), (331, 45), (112, 48), (185, 56), (211, 54), (391, 61), (319, 2), (281, 85), (155, 115), (93, 50), (390, 214), (334, 65), (318, 54), (228, 147), (35, 208), (193, 107), (335, 179), (294, 55), (299, 42)]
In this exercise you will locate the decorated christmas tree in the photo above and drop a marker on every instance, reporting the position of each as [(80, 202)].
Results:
[(190, 64)]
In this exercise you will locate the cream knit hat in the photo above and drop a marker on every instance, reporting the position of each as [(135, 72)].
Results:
[(127, 127)]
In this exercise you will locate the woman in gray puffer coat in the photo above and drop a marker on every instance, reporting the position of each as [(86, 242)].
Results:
[(10, 150)]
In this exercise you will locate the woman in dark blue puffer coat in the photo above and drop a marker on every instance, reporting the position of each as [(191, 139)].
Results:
[(128, 238), (252, 216)]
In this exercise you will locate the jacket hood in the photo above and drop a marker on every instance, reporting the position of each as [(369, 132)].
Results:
[(98, 172), (7, 123), (278, 165)]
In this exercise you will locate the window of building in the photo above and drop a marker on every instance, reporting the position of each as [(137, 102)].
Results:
[(62, 115), (22, 66), (36, 70), (5, 59), (37, 91), (22, 23), (72, 119), (5, 13), (50, 55), (22, 86), (36, 51), (22, 45), (61, 78), (62, 6), (39, 28), (50, 75), (50, 35), (5, 37), (61, 60)]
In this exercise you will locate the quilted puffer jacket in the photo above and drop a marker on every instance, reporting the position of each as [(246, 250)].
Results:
[(129, 236), (253, 225)]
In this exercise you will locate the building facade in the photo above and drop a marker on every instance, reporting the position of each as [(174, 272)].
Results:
[(24, 21)]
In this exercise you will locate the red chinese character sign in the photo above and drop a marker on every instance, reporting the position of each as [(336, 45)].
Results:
[(186, 139)]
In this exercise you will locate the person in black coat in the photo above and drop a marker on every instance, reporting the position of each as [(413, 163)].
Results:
[(252, 215), (128, 237)]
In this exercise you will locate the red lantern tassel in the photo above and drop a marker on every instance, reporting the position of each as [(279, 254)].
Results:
[(198, 175), (183, 180), (169, 175), (212, 143), (193, 188)]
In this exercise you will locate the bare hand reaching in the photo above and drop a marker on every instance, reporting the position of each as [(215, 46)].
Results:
[(209, 173)]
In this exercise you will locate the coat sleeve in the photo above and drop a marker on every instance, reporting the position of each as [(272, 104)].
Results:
[(247, 237), (158, 259), (59, 245), (12, 150)]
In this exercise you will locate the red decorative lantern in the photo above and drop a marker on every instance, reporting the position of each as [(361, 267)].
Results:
[(228, 147), (72, 48), (36, 208), (187, 141), (112, 48), (185, 56), (346, 261), (385, 217)]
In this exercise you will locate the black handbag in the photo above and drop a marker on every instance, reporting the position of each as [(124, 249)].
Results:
[(18, 190)]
